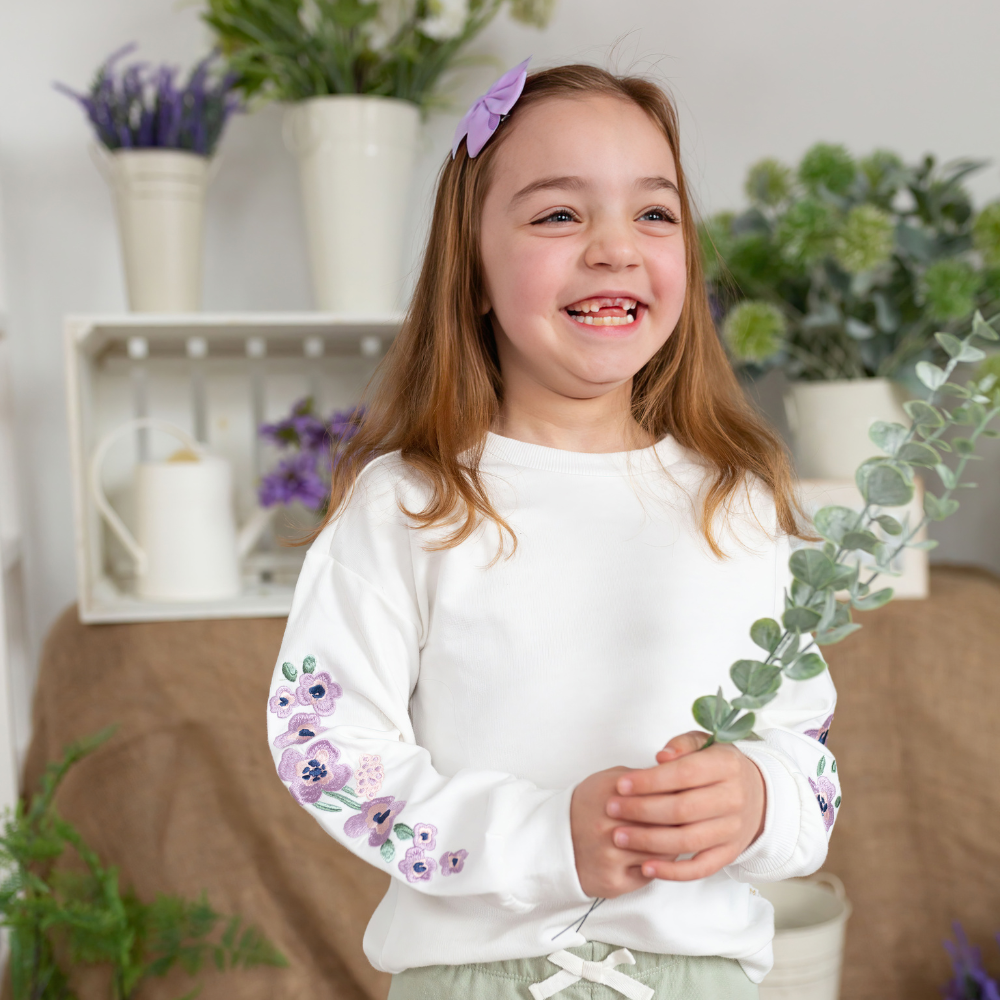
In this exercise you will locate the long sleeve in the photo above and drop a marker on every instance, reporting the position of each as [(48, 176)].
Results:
[(800, 774), (343, 742)]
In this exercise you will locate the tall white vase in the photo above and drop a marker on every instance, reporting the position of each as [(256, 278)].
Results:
[(356, 156), (830, 421), (160, 202)]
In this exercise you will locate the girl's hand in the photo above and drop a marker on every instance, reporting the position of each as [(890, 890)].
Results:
[(603, 869), (709, 804)]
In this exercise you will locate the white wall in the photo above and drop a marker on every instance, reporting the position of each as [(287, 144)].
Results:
[(752, 79)]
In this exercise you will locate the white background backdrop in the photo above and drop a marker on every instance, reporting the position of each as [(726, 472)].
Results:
[(751, 79)]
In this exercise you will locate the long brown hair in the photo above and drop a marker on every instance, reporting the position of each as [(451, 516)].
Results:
[(438, 390)]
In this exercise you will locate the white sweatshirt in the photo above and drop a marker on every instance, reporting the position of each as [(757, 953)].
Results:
[(433, 710)]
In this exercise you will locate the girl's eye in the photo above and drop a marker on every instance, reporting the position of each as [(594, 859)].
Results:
[(559, 215), (658, 214)]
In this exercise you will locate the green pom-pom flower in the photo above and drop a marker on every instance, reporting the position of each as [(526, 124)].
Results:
[(866, 239), (949, 289), (806, 231), (829, 166), (986, 233), (883, 170), (769, 182), (754, 330), (536, 13)]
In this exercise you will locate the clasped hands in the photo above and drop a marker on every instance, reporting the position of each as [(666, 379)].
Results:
[(632, 826)]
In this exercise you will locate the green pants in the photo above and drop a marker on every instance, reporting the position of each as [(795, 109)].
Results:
[(671, 977)]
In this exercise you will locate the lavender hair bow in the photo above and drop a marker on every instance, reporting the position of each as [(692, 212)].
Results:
[(482, 119)]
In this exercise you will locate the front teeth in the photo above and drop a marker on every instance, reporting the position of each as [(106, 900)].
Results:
[(604, 320)]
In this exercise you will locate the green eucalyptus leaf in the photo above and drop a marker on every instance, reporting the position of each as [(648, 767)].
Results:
[(952, 345), (932, 376), (937, 509), (739, 729), (806, 666), (889, 524), (883, 484), (964, 446), (828, 611), (801, 594), (766, 633), (888, 437), (791, 649), (925, 546), (980, 328), (873, 601), (800, 619), (811, 566), (833, 522), (845, 577), (951, 389), (918, 453), (863, 540), (837, 634), (923, 413), (756, 679), (947, 476), (709, 710)]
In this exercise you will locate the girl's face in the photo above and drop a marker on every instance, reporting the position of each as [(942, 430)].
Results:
[(582, 246)]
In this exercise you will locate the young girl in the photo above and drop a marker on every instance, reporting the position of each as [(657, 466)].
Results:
[(549, 537)]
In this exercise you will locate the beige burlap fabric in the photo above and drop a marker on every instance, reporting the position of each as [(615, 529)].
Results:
[(185, 798)]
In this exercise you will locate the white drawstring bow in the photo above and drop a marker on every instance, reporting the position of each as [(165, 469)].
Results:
[(575, 968)]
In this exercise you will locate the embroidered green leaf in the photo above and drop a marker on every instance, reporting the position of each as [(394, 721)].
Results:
[(344, 799), (833, 767), (347, 790), (309, 664), (323, 807), (836, 802), (289, 671), (388, 851), (403, 831), (821, 766)]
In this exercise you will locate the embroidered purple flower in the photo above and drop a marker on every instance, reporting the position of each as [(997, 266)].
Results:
[(301, 729), (821, 733), (375, 819), (825, 792), (318, 692), (282, 703), (416, 866), (314, 772), (452, 862), (369, 775), (425, 836)]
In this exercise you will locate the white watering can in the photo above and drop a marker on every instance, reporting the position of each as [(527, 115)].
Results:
[(188, 547)]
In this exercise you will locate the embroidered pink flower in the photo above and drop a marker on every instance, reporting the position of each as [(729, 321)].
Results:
[(452, 862), (826, 793), (314, 772), (375, 819), (416, 866), (282, 703), (301, 729), (318, 692), (425, 836), (369, 775), (821, 733)]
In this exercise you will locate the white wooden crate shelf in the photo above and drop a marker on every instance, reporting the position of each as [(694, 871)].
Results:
[(217, 376)]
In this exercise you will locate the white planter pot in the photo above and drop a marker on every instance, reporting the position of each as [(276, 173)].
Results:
[(830, 421), (356, 156), (160, 202), (810, 916)]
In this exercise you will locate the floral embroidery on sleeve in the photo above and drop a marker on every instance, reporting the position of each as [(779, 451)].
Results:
[(370, 775), (822, 733), (417, 866), (375, 819), (452, 862), (314, 772), (282, 702), (826, 795), (425, 836), (301, 729)]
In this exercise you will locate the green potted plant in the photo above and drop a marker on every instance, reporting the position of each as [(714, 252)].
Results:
[(839, 273), (356, 75)]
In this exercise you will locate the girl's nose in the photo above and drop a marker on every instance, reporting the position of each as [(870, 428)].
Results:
[(612, 247)]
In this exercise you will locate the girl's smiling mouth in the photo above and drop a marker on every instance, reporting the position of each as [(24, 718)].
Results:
[(603, 310)]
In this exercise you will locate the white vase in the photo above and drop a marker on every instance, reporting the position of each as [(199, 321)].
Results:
[(160, 203), (356, 156), (830, 420)]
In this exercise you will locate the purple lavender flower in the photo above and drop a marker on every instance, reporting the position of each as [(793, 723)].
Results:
[(452, 862), (301, 429), (313, 773), (821, 733), (318, 691), (969, 981), (295, 478), (301, 729), (825, 792), (282, 702), (425, 836), (416, 866), (375, 819)]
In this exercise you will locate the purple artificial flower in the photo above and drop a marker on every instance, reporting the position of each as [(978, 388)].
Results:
[(376, 819), (318, 691), (425, 836), (302, 429), (282, 702), (314, 772), (821, 733), (301, 729), (416, 866), (295, 478), (969, 978), (825, 792), (452, 862)]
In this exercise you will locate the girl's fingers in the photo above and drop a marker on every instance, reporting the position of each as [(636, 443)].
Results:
[(674, 840), (677, 808), (682, 745), (717, 763), (700, 866)]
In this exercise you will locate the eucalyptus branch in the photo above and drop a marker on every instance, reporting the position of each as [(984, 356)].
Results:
[(820, 573)]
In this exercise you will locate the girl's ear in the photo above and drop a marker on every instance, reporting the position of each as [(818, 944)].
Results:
[(485, 306)]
